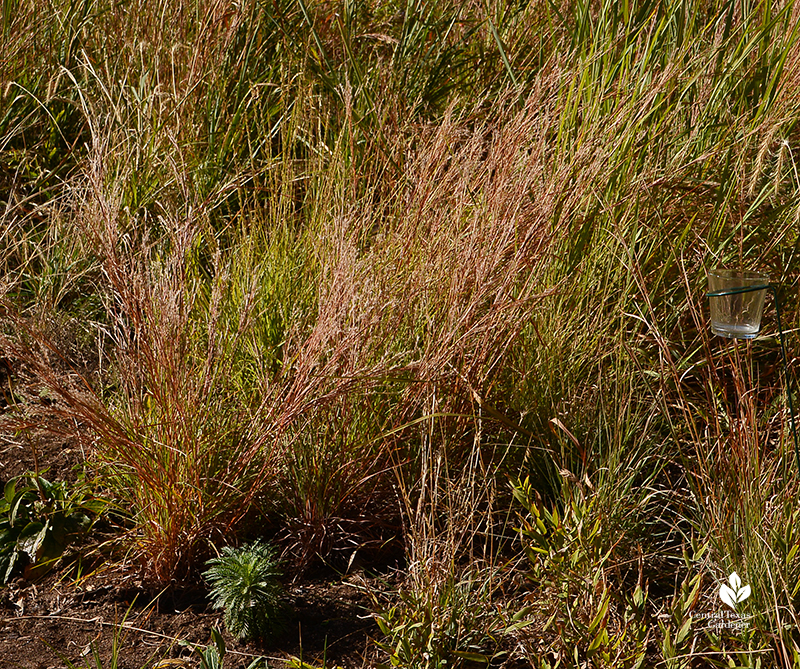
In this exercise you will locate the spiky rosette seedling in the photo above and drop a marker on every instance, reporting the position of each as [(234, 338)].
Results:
[(244, 582)]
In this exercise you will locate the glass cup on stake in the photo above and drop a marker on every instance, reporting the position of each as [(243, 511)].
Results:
[(736, 313)]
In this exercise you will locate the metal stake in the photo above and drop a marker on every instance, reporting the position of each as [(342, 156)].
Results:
[(772, 288)]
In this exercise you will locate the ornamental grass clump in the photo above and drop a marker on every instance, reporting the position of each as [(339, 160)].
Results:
[(245, 583)]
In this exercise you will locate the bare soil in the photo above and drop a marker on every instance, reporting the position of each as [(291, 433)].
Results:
[(47, 623)]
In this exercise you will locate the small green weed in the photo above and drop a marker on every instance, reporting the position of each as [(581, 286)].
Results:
[(213, 655), (96, 661), (244, 582)]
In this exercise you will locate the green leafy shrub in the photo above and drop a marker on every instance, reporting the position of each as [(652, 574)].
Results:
[(39, 519), (244, 582)]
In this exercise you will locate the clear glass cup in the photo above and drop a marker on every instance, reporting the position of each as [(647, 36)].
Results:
[(736, 316)]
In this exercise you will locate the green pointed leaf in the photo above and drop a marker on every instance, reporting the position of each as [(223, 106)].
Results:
[(471, 657), (683, 632), (32, 537), (601, 613), (10, 491), (12, 561)]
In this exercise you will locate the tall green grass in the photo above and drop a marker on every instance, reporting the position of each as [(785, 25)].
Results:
[(375, 265)]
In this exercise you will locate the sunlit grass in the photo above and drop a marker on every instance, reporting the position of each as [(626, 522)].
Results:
[(365, 267)]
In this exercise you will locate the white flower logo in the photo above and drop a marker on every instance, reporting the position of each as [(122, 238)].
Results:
[(735, 593)]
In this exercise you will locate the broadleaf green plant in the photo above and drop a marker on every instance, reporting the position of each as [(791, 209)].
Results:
[(39, 519)]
